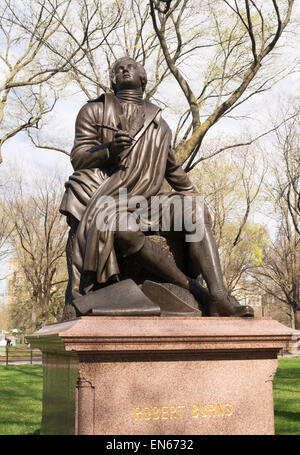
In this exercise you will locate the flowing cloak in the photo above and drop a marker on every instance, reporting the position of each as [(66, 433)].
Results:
[(141, 170)]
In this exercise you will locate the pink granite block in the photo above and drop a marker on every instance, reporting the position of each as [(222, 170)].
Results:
[(160, 376)]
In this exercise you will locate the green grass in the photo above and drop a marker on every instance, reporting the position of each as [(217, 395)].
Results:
[(21, 398), (286, 388)]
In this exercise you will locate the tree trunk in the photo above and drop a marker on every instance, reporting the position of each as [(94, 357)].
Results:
[(297, 318)]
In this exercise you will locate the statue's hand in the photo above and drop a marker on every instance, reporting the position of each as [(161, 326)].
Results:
[(121, 141)]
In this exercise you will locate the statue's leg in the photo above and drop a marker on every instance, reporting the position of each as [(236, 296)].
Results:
[(150, 256), (69, 311), (204, 260), (69, 249)]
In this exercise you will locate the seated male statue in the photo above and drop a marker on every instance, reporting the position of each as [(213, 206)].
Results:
[(122, 142)]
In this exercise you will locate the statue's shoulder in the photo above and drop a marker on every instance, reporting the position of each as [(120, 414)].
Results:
[(104, 101), (103, 98), (99, 99), (91, 108), (151, 106), (159, 117), (159, 120)]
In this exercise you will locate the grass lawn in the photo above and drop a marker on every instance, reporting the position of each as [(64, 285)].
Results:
[(21, 398), (286, 388)]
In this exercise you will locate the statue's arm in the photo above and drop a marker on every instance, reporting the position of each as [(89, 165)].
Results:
[(176, 176), (88, 151)]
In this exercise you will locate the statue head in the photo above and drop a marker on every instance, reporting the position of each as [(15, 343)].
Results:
[(126, 73)]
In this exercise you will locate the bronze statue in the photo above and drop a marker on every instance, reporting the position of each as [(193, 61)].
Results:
[(122, 142)]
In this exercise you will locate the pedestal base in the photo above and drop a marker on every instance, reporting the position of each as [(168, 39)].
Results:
[(159, 376)]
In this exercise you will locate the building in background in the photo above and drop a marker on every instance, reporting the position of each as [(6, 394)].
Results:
[(266, 305)]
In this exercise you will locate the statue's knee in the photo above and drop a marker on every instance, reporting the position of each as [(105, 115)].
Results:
[(131, 240), (199, 221)]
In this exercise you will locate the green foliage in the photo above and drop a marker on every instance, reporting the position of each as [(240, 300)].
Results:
[(250, 247), (228, 184)]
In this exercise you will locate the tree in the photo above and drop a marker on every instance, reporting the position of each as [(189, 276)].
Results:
[(219, 54), (242, 36), (5, 229), (279, 271), (25, 71), (231, 188), (38, 241), (288, 143), (107, 30), (39, 43), (4, 319), (6, 225), (21, 309)]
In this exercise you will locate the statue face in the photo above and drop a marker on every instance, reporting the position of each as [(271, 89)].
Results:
[(127, 75)]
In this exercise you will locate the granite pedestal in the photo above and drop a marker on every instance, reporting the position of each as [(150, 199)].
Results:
[(159, 376)]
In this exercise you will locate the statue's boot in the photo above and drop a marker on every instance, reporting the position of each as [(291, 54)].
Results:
[(223, 305), (229, 306)]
